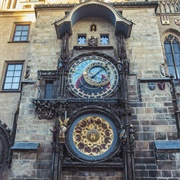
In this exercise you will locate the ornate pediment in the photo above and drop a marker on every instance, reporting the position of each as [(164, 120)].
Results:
[(93, 9)]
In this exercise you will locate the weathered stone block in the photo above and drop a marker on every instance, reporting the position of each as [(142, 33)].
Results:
[(154, 173), (140, 173), (45, 156), (43, 165), (176, 173), (159, 122), (144, 154), (166, 165), (144, 122), (141, 145), (145, 160), (166, 174), (139, 166), (148, 128), (41, 173), (146, 136), (27, 155), (23, 168), (160, 116), (151, 166), (162, 156), (160, 110), (172, 136), (160, 136), (172, 156)]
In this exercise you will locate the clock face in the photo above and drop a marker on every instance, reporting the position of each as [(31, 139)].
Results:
[(92, 137), (93, 77)]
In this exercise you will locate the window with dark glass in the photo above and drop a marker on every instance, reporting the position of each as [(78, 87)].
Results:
[(13, 76), (172, 51), (49, 89), (104, 39), (21, 32), (81, 39)]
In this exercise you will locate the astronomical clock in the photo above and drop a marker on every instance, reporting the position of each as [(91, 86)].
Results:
[(87, 95), (93, 77), (93, 134)]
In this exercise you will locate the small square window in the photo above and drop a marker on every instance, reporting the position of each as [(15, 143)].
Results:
[(13, 76), (104, 39), (81, 39), (21, 32)]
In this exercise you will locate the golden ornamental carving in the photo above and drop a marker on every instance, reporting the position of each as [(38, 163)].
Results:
[(93, 136)]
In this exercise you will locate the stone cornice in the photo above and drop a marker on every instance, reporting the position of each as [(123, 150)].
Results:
[(16, 13), (115, 4)]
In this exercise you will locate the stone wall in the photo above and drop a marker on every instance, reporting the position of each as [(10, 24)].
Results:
[(32, 165), (168, 162), (153, 118), (144, 46), (92, 175)]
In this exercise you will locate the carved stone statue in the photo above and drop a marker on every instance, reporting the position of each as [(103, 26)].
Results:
[(122, 134), (27, 72), (131, 134), (93, 27), (93, 41)]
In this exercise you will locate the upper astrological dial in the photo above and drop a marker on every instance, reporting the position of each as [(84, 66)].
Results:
[(93, 77)]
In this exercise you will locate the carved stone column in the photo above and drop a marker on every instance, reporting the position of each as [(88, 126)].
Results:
[(62, 64), (60, 160), (128, 141)]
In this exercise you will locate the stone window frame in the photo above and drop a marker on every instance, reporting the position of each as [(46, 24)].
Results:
[(82, 35), (101, 35), (7, 64), (49, 88), (175, 34), (14, 30), (43, 87)]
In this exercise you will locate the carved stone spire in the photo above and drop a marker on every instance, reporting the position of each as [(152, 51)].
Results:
[(121, 47)]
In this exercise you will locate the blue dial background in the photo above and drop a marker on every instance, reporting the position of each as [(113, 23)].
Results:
[(97, 73), (79, 69)]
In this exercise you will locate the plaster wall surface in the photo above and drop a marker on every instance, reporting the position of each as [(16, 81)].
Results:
[(10, 52)]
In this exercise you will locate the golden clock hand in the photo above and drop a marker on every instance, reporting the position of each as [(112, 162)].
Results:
[(97, 73)]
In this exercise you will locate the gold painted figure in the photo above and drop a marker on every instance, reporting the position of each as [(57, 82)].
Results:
[(63, 127)]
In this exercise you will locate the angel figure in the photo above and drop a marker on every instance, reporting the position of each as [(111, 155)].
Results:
[(63, 127)]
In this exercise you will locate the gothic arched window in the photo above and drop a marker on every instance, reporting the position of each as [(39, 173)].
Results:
[(172, 51)]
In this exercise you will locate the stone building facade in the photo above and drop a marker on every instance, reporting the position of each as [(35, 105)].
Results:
[(89, 90)]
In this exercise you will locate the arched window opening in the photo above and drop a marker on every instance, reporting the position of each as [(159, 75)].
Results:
[(172, 51)]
